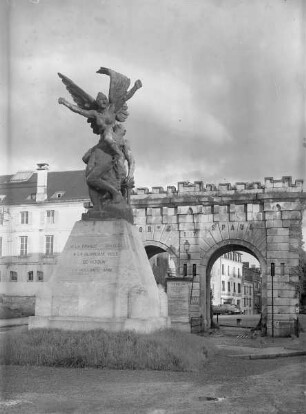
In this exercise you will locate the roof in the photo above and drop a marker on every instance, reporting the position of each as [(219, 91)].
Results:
[(71, 184)]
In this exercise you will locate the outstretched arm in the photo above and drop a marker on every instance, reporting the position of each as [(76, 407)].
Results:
[(77, 109), (130, 93), (130, 160)]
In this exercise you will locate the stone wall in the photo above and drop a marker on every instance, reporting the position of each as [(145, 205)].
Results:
[(16, 306), (264, 219)]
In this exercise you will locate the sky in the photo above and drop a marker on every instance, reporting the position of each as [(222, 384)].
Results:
[(223, 85)]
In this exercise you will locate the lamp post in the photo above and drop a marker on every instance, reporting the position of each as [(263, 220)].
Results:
[(187, 249), (272, 286)]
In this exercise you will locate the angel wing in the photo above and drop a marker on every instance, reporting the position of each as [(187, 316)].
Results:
[(122, 114), (80, 97), (118, 87)]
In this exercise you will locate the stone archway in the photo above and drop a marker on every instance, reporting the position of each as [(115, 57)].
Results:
[(207, 262), (263, 219), (154, 247)]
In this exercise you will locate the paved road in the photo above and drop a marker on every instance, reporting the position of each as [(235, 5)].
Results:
[(226, 385), (248, 321)]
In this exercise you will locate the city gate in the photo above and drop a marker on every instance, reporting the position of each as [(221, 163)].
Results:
[(197, 223)]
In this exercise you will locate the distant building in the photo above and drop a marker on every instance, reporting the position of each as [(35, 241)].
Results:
[(37, 212), (226, 279), (252, 294), (160, 267), (247, 298)]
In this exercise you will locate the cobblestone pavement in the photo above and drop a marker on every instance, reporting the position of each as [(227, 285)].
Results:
[(225, 385)]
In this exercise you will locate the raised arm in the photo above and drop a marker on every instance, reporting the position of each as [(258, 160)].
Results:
[(74, 108), (130, 160), (130, 93)]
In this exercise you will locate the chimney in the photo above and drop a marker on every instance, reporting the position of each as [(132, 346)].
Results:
[(42, 176)]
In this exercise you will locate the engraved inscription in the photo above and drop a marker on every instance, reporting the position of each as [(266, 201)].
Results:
[(91, 259), (178, 299)]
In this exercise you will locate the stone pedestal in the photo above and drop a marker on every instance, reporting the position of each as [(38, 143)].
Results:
[(178, 291), (103, 281)]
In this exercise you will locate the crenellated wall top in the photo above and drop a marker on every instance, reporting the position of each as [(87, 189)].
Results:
[(285, 184)]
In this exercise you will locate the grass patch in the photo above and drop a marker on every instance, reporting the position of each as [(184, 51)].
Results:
[(163, 350)]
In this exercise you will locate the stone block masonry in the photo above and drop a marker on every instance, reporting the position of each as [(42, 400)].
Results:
[(103, 281), (263, 219)]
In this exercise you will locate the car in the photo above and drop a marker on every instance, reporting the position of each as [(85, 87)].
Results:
[(226, 309)]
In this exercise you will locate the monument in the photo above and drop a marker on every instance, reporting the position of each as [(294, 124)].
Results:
[(103, 279)]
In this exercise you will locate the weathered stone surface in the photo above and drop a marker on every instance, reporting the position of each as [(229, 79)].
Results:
[(291, 215), (274, 224), (110, 212), (103, 280), (178, 300)]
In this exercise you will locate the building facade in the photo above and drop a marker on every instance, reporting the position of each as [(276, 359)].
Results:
[(252, 277), (226, 279), (193, 223), (37, 213)]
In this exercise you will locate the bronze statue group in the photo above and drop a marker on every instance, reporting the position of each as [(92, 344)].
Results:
[(108, 179)]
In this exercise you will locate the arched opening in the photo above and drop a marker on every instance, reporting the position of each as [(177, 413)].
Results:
[(163, 261), (237, 289)]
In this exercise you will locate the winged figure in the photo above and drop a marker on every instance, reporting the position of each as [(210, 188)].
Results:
[(106, 175), (102, 112)]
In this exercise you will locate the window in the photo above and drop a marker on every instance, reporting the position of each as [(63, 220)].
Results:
[(228, 286), (223, 269), (238, 272), (223, 286), (58, 194), (13, 276), (244, 302), (1, 217), (194, 270), (31, 196), (50, 216), (228, 270), (185, 269), (149, 229), (0, 246), (24, 217), (49, 245), (30, 276), (234, 287), (23, 245), (40, 275), (239, 288), (282, 269)]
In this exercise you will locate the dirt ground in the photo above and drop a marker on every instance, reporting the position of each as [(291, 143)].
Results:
[(226, 385)]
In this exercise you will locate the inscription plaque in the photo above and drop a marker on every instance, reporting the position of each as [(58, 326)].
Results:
[(88, 260), (178, 299)]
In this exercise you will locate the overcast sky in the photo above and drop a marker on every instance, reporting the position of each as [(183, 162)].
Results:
[(223, 87)]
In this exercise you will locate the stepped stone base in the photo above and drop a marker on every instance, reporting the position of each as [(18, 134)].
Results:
[(103, 281), (110, 324)]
